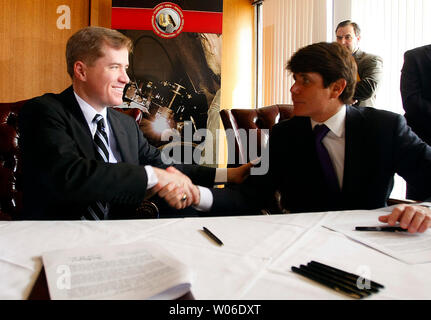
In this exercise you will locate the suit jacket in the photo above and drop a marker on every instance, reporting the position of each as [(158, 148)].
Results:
[(378, 144), (370, 71), (416, 90), (60, 171)]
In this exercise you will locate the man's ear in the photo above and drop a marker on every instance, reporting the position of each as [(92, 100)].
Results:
[(80, 70), (337, 88)]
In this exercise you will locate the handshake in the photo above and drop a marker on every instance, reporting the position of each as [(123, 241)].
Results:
[(179, 191)]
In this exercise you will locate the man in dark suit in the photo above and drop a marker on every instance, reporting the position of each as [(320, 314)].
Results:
[(67, 174), (370, 66), (416, 97), (350, 165)]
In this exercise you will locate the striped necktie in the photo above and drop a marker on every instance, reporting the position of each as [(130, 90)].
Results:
[(99, 210), (101, 139)]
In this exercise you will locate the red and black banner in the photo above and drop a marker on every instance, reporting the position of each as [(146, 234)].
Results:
[(185, 16), (175, 67)]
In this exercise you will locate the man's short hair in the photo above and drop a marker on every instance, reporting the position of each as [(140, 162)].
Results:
[(329, 59), (86, 45), (346, 23)]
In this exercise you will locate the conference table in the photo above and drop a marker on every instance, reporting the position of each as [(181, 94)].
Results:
[(253, 264)]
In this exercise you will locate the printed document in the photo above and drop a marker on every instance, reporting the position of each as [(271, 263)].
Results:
[(132, 271)]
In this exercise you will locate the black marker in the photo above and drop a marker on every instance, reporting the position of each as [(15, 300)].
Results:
[(302, 270), (344, 273), (339, 278), (387, 229)]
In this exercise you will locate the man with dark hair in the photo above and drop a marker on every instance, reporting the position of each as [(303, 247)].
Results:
[(332, 156), (370, 67), (84, 160), (416, 95)]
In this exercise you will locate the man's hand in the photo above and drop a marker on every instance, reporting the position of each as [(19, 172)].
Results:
[(175, 187), (190, 189), (415, 218), (239, 174), (174, 196)]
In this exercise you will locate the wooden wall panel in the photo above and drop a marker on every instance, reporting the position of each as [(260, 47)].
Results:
[(32, 51), (101, 13)]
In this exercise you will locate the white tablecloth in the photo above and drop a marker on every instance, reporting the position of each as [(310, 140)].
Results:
[(254, 262)]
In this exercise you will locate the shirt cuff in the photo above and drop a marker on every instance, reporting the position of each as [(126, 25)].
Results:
[(423, 204), (151, 176), (205, 201), (220, 176)]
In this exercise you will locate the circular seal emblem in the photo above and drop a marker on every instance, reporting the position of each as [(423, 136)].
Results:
[(167, 20)]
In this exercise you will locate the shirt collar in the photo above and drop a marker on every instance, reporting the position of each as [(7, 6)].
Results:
[(88, 111), (336, 123)]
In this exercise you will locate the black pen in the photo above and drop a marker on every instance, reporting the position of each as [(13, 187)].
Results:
[(213, 236), (328, 283), (386, 228), (352, 276), (340, 278)]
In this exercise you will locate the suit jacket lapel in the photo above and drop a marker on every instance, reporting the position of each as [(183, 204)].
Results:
[(120, 133), (78, 124), (354, 151), (304, 180)]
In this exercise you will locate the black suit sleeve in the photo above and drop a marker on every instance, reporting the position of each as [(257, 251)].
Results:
[(412, 157), (200, 175), (413, 96)]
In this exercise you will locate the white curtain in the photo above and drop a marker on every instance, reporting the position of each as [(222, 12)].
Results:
[(389, 28), (287, 26)]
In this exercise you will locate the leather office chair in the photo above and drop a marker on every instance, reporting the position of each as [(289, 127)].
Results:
[(10, 164), (10, 158), (262, 118), (133, 112), (258, 119)]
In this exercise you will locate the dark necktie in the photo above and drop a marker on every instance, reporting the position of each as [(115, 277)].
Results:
[(320, 132), (99, 210)]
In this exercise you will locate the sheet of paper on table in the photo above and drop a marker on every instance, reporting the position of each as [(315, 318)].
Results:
[(140, 270), (410, 248)]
